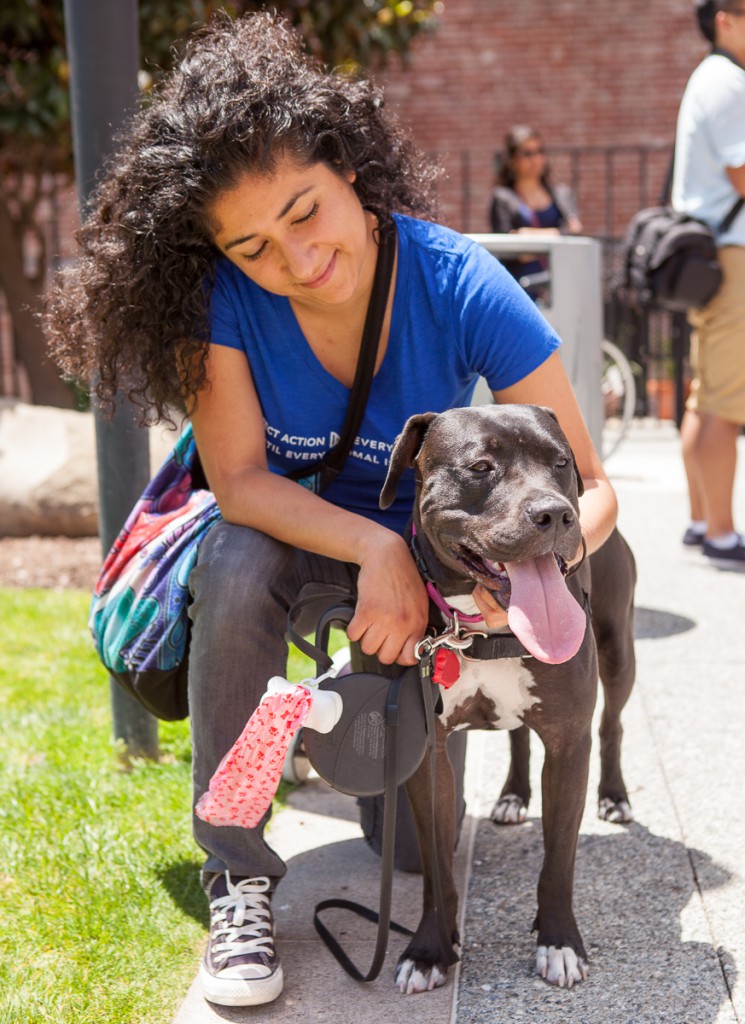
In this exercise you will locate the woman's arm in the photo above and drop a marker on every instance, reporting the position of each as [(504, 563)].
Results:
[(549, 385), (567, 206), (504, 213), (391, 613)]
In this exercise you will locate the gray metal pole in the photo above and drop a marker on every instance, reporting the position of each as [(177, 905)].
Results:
[(103, 51)]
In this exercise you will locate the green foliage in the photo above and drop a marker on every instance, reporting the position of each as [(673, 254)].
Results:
[(365, 32), (34, 104), (35, 131), (101, 911)]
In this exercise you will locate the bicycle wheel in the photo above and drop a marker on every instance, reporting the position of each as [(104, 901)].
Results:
[(619, 396)]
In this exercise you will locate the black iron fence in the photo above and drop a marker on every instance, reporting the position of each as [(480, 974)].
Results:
[(610, 184)]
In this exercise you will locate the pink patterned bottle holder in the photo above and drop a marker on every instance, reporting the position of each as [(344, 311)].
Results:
[(244, 784)]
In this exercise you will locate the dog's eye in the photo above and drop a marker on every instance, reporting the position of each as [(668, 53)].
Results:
[(480, 467), (561, 463)]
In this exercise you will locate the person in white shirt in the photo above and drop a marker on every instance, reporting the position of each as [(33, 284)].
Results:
[(708, 179)]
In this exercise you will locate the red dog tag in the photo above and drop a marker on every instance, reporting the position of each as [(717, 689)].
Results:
[(446, 668)]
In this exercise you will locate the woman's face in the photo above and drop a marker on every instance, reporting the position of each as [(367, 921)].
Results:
[(530, 158), (300, 231)]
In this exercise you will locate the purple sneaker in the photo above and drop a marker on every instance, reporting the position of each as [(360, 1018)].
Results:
[(693, 537), (240, 966), (726, 558)]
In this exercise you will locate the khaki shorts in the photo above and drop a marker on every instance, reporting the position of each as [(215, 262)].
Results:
[(718, 344)]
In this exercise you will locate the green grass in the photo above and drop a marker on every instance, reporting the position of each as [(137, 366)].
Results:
[(101, 914)]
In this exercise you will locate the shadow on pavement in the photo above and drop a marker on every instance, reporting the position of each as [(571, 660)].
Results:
[(651, 623), (631, 889)]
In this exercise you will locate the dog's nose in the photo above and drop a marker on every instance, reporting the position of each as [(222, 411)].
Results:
[(551, 514)]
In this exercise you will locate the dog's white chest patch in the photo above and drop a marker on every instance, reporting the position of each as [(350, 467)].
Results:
[(507, 683)]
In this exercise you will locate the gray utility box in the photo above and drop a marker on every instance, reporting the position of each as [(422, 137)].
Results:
[(573, 308)]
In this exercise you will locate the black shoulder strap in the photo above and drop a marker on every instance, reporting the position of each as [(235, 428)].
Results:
[(332, 463), (731, 215), (363, 375), (667, 185)]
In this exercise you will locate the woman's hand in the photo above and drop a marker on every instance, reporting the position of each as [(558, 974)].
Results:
[(495, 617), (391, 613), (527, 230)]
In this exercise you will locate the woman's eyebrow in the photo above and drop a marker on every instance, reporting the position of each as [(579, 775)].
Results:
[(285, 210)]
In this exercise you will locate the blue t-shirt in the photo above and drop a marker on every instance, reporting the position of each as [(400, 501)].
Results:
[(457, 315)]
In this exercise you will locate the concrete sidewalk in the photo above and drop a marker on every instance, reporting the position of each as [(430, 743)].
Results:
[(661, 902)]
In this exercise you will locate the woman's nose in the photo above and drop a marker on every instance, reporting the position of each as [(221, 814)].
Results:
[(301, 261)]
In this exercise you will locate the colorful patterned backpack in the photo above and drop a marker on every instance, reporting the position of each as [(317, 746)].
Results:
[(139, 613)]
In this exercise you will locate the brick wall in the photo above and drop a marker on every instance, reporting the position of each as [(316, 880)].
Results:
[(586, 75)]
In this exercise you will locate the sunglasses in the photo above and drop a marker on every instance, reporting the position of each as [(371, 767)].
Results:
[(531, 152)]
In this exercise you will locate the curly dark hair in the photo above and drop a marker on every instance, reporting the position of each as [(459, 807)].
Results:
[(133, 310)]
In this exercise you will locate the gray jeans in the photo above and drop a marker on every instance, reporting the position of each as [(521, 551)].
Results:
[(242, 587)]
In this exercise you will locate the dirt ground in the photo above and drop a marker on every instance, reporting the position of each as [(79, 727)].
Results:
[(60, 563)]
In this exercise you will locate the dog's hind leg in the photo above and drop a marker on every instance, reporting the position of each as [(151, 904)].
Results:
[(613, 580), (617, 671), (512, 806)]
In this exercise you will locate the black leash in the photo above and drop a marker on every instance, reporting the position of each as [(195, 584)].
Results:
[(383, 917), (429, 693)]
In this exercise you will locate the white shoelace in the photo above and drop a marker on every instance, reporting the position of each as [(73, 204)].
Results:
[(250, 930)]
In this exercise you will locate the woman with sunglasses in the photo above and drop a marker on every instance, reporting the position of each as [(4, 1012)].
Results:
[(525, 201)]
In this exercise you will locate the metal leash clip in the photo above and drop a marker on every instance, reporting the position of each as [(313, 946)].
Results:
[(451, 637)]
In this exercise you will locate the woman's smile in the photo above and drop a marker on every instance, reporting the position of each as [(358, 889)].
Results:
[(324, 276)]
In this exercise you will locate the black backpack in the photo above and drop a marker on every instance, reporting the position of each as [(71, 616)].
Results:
[(670, 259)]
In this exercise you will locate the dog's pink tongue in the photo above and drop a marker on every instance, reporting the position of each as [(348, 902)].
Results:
[(542, 614)]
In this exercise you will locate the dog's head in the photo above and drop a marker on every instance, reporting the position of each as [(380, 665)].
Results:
[(497, 491), (500, 480)]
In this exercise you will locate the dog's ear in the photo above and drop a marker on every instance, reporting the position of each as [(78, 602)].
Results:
[(405, 448)]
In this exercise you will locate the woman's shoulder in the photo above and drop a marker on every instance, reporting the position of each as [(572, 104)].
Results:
[(444, 256), (564, 199), (502, 194), (562, 192), (429, 235)]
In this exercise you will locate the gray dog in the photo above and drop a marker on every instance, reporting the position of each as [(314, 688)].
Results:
[(497, 503)]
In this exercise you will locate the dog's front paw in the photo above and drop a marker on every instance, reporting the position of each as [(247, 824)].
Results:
[(509, 810), (617, 811), (418, 976), (561, 966)]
